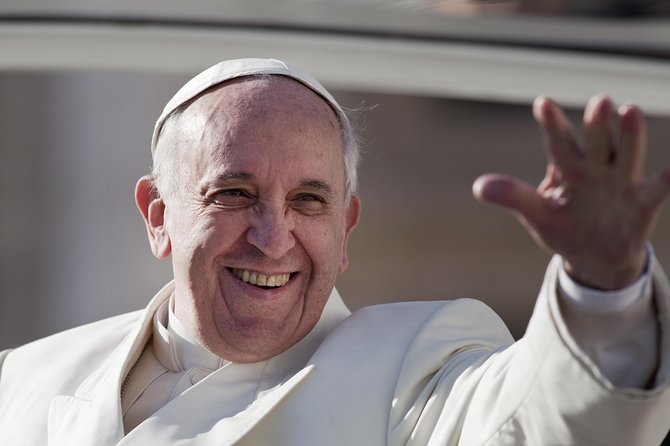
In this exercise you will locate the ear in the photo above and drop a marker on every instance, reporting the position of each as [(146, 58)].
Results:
[(152, 208), (352, 215)]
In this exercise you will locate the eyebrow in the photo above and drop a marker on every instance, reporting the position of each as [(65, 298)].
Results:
[(222, 180), (242, 176), (318, 185)]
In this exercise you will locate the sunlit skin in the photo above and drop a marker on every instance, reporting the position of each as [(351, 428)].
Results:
[(261, 187), (594, 206)]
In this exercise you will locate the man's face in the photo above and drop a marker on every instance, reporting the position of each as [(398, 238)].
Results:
[(259, 198)]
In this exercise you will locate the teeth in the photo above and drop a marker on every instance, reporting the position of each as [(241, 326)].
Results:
[(255, 278)]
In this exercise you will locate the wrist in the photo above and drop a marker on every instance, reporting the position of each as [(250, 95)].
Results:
[(607, 276)]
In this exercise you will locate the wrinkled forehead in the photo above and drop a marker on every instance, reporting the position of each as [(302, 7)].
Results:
[(234, 115), (239, 68)]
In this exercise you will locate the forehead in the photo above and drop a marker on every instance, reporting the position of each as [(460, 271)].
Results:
[(251, 120), (260, 98)]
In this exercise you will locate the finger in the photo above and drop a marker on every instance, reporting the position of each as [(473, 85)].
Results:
[(559, 135), (657, 189), (511, 194), (551, 179), (598, 129), (632, 142)]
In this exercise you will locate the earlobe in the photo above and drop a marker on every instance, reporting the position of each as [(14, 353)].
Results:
[(152, 208), (352, 216)]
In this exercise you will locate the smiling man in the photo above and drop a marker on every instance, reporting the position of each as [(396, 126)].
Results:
[(253, 195), (258, 224)]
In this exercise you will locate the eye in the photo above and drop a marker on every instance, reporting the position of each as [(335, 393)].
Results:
[(231, 198), (308, 203), (309, 197)]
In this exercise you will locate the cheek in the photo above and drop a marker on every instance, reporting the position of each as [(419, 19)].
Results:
[(325, 247), (193, 238)]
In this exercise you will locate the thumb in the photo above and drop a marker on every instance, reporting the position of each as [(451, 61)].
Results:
[(509, 193)]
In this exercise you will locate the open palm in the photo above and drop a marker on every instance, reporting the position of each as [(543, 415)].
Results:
[(594, 206)]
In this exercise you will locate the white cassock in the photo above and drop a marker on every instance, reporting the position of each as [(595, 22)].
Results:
[(417, 373)]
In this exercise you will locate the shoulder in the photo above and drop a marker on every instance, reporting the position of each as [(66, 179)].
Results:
[(70, 353), (436, 326), (384, 352), (33, 374), (412, 318), (103, 331)]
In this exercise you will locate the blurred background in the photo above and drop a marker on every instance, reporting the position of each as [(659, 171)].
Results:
[(447, 85)]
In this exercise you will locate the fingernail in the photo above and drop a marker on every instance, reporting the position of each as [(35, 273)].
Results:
[(590, 109), (626, 108), (539, 107), (600, 103), (630, 118)]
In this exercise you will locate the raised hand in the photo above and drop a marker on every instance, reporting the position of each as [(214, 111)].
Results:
[(594, 206)]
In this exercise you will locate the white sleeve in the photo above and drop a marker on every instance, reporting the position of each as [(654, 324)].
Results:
[(616, 329)]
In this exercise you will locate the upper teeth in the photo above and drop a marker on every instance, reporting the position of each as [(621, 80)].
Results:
[(259, 279)]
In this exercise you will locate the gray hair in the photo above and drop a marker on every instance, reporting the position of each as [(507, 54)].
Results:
[(171, 137)]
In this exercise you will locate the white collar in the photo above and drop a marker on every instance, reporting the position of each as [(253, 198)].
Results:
[(189, 352)]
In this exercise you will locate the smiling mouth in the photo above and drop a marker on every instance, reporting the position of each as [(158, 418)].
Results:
[(261, 280)]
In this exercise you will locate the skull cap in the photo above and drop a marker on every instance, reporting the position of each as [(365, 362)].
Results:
[(231, 69)]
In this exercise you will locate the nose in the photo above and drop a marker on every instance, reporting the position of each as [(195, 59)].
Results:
[(271, 231)]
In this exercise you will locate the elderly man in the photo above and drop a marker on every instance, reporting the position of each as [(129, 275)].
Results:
[(253, 195)]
